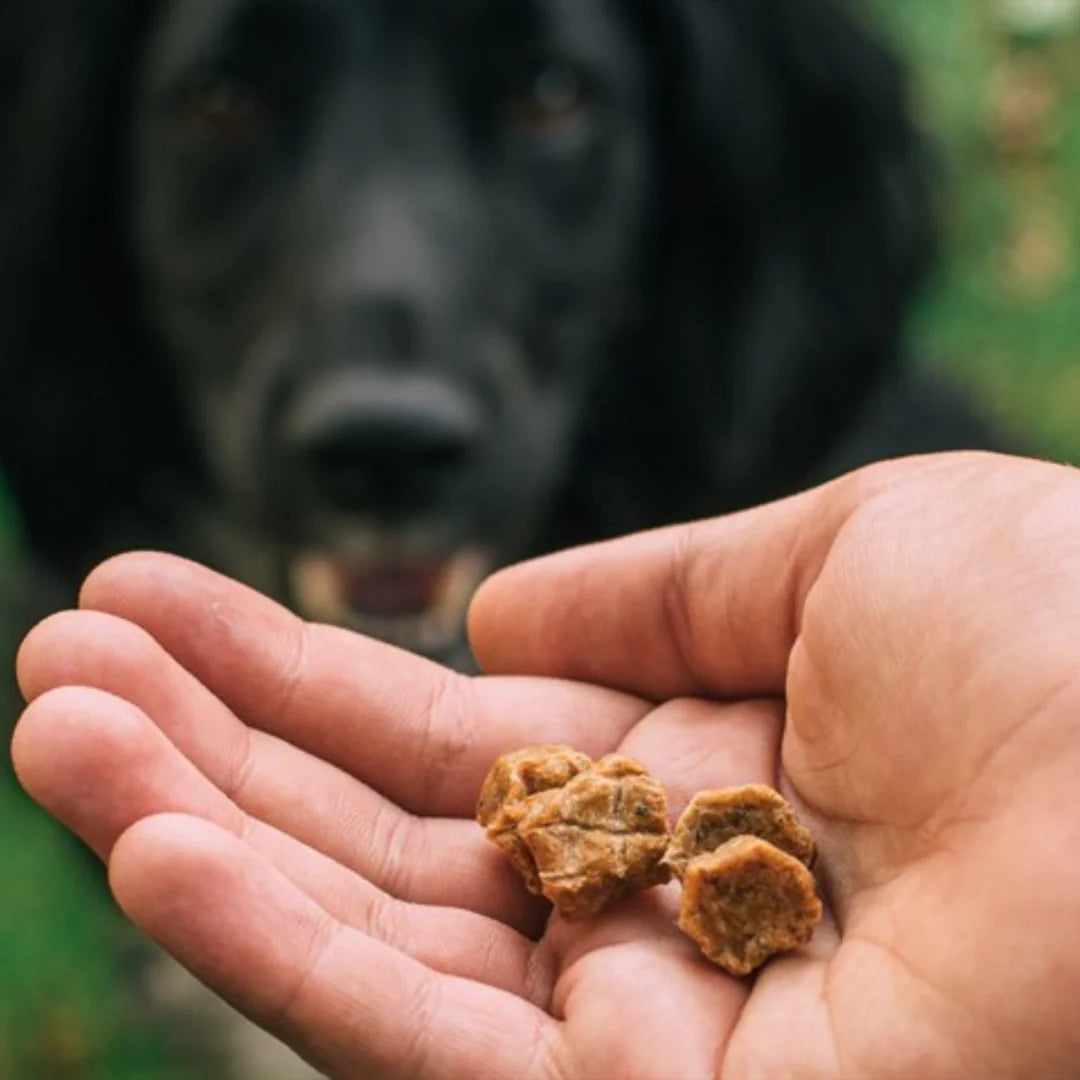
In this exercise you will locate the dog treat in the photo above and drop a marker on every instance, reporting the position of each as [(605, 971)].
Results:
[(579, 834), (583, 834), (599, 837), (514, 779), (747, 901), (714, 817)]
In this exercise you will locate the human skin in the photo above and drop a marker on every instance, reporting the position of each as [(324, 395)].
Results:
[(288, 808)]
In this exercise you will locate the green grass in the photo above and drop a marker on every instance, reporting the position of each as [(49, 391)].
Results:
[(62, 1014)]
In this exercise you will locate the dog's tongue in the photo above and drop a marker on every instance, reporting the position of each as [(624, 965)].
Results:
[(389, 590)]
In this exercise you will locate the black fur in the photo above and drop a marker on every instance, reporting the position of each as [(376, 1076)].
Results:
[(705, 292)]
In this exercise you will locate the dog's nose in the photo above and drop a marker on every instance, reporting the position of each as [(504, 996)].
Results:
[(387, 461), (379, 446)]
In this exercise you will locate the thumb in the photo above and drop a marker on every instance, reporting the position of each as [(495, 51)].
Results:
[(711, 608)]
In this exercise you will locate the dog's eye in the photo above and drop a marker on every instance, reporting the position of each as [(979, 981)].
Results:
[(549, 101), (226, 109)]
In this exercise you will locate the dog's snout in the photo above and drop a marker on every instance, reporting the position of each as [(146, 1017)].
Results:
[(377, 445), (390, 328), (386, 461)]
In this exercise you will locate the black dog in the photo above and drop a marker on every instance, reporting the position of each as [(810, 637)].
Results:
[(356, 300)]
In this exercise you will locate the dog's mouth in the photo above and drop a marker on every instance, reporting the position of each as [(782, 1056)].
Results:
[(418, 604)]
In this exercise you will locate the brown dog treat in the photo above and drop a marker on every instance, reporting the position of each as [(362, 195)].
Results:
[(748, 901), (599, 837), (715, 817), (511, 783), (516, 776)]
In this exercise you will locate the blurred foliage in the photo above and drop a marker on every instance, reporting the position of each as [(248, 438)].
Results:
[(1004, 310), (1003, 314)]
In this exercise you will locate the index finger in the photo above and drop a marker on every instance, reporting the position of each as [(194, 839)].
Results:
[(706, 609), (416, 732)]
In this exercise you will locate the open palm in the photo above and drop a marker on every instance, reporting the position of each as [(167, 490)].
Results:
[(288, 808)]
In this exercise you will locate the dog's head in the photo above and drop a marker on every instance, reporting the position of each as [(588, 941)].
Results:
[(427, 285), (381, 245)]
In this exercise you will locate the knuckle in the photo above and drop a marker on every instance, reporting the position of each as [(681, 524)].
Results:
[(424, 1007), (397, 847), (449, 733), (293, 668)]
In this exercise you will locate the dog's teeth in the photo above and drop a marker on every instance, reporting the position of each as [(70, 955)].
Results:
[(463, 575), (433, 633), (318, 585), (317, 588)]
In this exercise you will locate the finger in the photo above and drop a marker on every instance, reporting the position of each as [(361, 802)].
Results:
[(708, 609), (98, 765), (350, 1004), (422, 860), (420, 734)]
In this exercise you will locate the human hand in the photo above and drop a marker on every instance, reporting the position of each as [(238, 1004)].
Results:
[(283, 808)]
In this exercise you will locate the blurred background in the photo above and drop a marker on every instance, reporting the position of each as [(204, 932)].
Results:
[(998, 85)]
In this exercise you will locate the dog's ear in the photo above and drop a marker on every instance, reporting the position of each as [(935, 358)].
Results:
[(797, 224), (77, 410)]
